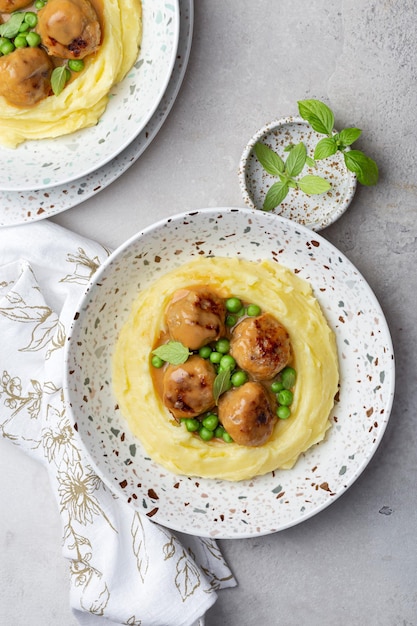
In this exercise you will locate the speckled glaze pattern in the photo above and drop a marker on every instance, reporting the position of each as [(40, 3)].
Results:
[(279, 499), (19, 207), (315, 211), (43, 164)]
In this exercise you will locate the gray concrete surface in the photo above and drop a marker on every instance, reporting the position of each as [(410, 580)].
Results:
[(356, 562)]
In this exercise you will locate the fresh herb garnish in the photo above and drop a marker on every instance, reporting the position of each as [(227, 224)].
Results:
[(286, 171), (321, 119), (173, 352), (11, 28), (59, 77), (221, 383)]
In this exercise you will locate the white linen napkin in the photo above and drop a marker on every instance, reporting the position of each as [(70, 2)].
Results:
[(124, 568)]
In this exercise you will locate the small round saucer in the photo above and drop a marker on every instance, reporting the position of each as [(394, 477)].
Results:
[(315, 211)]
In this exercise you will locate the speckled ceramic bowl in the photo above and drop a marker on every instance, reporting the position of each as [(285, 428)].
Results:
[(279, 499), (46, 163), (315, 211)]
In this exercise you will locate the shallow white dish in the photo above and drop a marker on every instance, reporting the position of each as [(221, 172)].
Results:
[(315, 211), (42, 164), (21, 207), (282, 498)]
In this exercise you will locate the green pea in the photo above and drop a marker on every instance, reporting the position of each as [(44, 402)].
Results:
[(233, 305), (227, 438), (20, 41), (39, 4), (211, 421), (239, 378), (192, 425), (6, 47), (253, 310), (24, 26), (206, 434), (277, 386), (76, 65), (157, 361), (205, 352), (222, 345), (241, 311), (33, 39), (31, 19), (227, 362), (285, 397), (231, 320), (288, 377), (215, 357), (283, 412), (219, 432)]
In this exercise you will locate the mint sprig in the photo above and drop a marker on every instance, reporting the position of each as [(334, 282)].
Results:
[(321, 119), (173, 352), (11, 28), (287, 171), (221, 383), (59, 78)]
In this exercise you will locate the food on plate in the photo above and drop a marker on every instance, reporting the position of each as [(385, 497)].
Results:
[(195, 316), (246, 414), (25, 76), (261, 346), (59, 63), (238, 417), (8, 6), (69, 29)]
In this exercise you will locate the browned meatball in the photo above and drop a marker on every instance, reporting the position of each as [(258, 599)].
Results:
[(261, 346), (8, 6), (69, 29), (246, 413), (188, 388), (25, 76), (195, 317)]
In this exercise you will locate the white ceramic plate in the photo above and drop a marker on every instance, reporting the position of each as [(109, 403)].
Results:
[(21, 207), (315, 211), (282, 498), (42, 164)]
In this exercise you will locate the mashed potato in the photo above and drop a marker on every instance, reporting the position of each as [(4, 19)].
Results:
[(84, 99), (275, 289)]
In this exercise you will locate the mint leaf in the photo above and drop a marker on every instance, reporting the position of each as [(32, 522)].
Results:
[(276, 194), (318, 115), (58, 80), (221, 383), (313, 185), (364, 167), (325, 148), (296, 160), (173, 352), (348, 135), (311, 162), (270, 160), (10, 28)]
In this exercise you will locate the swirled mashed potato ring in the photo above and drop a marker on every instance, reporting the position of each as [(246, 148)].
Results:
[(84, 99), (275, 289)]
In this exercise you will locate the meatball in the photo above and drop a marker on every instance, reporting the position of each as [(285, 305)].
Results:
[(69, 29), (188, 388), (261, 346), (8, 6), (25, 76), (196, 316), (246, 413)]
